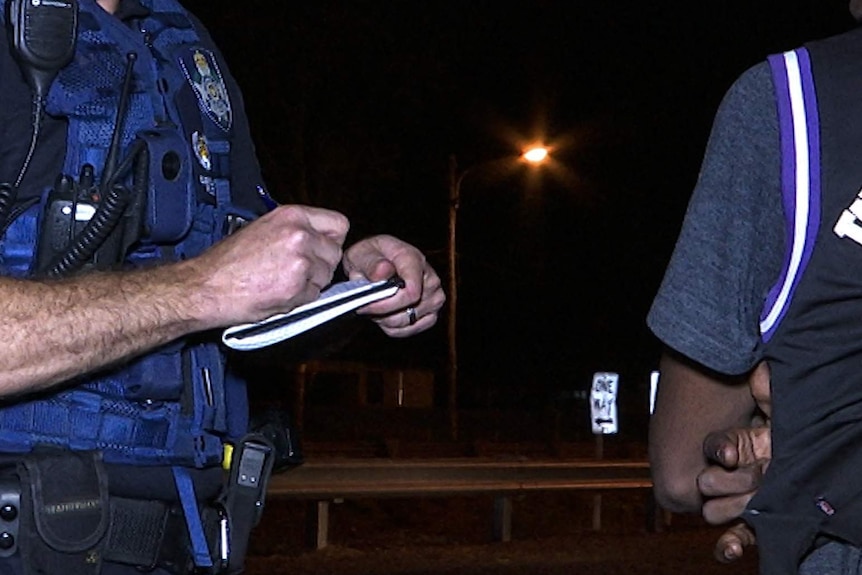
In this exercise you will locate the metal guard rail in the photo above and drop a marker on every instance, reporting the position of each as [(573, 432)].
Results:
[(323, 480)]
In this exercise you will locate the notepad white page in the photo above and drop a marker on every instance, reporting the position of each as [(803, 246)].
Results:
[(336, 300)]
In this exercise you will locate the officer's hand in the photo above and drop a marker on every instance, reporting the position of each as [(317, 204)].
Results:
[(272, 265), (380, 257)]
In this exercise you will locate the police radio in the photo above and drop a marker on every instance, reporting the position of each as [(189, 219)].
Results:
[(85, 223)]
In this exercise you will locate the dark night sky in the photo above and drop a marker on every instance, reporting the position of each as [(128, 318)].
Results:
[(356, 105)]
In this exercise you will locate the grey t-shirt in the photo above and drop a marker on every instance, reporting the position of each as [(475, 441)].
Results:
[(731, 246)]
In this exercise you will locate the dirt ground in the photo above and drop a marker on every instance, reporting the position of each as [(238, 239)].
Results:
[(551, 534)]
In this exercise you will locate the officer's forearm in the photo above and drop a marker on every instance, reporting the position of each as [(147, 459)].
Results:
[(57, 330)]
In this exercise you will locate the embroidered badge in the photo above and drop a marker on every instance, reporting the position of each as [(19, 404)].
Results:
[(202, 151), (201, 70)]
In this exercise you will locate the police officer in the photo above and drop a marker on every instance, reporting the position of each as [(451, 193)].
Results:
[(135, 223)]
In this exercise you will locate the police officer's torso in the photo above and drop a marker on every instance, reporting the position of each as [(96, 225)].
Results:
[(196, 102)]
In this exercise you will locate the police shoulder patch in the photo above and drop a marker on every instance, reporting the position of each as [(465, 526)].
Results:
[(202, 72)]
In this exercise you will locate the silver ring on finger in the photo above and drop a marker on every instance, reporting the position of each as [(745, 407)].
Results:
[(411, 315)]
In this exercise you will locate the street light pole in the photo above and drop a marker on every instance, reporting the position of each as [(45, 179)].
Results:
[(535, 155)]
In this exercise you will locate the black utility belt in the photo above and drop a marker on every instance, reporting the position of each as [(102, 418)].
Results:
[(57, 512)]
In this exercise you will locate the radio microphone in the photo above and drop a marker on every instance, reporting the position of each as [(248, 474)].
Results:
[(43, 38)]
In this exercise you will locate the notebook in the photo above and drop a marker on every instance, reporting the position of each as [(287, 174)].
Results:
[(336, 300)]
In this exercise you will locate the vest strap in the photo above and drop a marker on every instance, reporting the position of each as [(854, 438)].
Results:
[(197, 537)]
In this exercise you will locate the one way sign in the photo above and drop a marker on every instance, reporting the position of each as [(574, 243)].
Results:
[(603, 403)]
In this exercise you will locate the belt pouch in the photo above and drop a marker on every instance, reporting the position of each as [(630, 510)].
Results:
[(137, 532), (65, 518)]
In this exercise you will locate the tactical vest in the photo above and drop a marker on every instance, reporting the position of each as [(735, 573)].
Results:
[(176, 405), (812, 320)]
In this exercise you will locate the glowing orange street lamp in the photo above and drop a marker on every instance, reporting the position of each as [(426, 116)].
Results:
[(535, 156)]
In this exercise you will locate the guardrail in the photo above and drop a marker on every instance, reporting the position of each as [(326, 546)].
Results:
[(322, 481)]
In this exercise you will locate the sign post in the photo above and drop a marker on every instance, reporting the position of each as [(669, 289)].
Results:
[(603, 416)]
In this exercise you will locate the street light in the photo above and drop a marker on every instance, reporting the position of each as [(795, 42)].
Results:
[(535, 155)]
